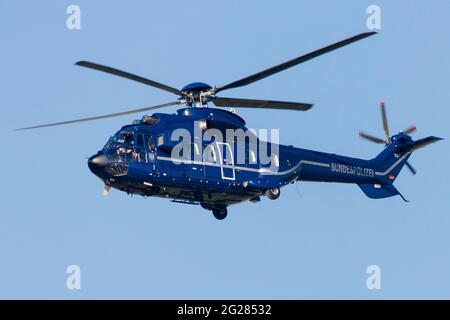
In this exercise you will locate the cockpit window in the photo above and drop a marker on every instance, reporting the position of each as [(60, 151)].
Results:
[(108, 143), (127, 139), (140, 141), (121, 145), (120, 138)]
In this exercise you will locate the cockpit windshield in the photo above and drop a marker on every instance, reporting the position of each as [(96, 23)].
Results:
[(121, 145), (120, 139)]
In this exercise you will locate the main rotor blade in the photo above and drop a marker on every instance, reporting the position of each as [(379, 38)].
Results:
[(411, 168), (410, 130), (128, 75), (263, 104), (102, 116), (371, 138), (288, 64), (385, 122)]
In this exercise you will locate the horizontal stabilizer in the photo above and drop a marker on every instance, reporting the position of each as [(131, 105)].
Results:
[(379, 191), (414, 145)]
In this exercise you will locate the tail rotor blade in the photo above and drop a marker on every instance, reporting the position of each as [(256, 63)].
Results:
[(385, 122), (411, 168), (371, 138)]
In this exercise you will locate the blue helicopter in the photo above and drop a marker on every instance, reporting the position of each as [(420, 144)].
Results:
[(143, 158)]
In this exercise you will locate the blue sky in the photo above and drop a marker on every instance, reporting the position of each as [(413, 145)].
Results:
[(315, 241)]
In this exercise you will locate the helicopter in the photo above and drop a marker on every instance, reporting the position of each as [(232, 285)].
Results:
[(143, 157)]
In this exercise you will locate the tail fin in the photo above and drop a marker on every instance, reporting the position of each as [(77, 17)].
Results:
[(389, 163), (391, 160)]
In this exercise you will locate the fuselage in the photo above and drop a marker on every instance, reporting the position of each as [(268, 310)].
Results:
[(148, 158)]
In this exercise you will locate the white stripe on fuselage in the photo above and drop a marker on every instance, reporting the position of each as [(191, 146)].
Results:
[(277, 173), (393, 166), (257, 170)]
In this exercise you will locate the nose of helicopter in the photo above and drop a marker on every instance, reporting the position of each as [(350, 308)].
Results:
[(96, 163)]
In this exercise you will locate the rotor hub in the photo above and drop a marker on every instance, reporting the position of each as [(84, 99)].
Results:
[(197, 93)]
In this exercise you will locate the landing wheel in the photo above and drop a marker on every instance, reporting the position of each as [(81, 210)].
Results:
[(220, 214), (273, 193)]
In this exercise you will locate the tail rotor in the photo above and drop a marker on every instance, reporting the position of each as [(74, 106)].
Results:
[(388, 139)]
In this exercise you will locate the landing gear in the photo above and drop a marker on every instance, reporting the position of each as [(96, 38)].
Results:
[(273, 193), (220, 213)]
